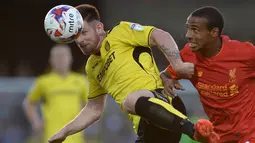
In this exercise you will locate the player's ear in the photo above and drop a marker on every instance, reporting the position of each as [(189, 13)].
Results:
[(215, 32), (100, 27)]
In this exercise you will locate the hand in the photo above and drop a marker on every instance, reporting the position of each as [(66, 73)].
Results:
[(186, 70), (59, 137), (169, 85), (204, 132)]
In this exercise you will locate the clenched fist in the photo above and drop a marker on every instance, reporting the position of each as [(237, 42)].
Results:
[(186, 70)]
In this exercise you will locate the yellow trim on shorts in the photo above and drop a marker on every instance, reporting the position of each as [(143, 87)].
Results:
[(168, 107)]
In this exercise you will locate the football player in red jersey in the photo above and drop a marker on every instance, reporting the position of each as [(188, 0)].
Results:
[(225, 75)]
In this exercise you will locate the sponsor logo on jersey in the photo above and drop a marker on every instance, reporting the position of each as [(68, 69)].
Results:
[(135, 26)]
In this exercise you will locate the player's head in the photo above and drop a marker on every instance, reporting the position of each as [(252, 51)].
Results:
[(204, 25), (61, 58), (93, 30)]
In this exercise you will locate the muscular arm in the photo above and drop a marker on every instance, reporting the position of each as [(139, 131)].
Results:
[(89, 114), (166, 43)]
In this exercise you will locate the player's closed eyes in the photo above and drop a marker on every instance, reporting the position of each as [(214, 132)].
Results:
[(84, 32)]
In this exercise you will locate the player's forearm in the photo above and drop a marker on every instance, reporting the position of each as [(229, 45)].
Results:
[(85, 118), (169, 47), (31, 111), (171, 51)]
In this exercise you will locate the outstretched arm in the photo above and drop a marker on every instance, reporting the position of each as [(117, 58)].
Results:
[(89, 114)]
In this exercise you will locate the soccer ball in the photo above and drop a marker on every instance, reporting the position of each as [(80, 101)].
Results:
[(63, 24)]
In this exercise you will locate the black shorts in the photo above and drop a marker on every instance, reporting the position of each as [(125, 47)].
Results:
[(148, 133)]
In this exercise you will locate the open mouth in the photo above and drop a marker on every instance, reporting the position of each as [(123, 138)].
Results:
[(193, 45)]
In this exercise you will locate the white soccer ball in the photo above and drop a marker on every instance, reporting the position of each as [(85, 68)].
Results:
[(63, 24)]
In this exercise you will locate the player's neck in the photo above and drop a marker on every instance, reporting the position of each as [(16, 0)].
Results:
[(212, 49), (62, 73)]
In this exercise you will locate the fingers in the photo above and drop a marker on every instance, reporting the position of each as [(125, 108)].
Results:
[(57, 138), (168, 90), (192, 70), (55, 141), (178, 86), (188, 70), (169, 87), (168, 93)]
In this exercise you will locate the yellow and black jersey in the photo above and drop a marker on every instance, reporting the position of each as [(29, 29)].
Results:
[(125, 64)]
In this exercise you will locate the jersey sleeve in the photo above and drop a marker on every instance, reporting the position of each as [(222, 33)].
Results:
[(95, 90), (35, 92), (134, 34), (171, 71), (250, 52)]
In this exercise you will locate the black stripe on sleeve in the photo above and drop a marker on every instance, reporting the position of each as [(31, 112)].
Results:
[(149, 36), (97, 96)]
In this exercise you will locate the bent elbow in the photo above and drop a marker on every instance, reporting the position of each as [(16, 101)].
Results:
[(97, 116)]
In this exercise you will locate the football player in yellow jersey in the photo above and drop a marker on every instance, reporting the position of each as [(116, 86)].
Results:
[(121, 64), (62, 93)]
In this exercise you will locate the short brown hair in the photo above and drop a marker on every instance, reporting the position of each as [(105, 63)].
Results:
[(88, 12)]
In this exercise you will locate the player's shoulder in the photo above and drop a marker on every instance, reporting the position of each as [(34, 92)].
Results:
[(44, 77), (236, 44), (116, 28), (126, 26), (131, 25), (240, 44)]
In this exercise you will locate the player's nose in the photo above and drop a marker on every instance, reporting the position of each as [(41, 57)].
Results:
[(188, 35)]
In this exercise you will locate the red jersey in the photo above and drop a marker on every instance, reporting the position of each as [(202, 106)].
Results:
[(226, 84)]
